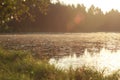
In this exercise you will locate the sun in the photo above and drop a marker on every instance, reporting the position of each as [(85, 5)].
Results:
[(105, 5)]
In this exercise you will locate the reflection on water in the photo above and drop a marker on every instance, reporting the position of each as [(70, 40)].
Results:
[(99, 50), (104, 60)]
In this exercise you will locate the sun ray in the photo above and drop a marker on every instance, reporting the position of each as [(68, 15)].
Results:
[(105, 5)]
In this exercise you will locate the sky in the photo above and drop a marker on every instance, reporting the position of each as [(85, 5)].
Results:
[(105, 5)]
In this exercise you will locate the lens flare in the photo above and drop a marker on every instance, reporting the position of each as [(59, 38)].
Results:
[(78, 18)]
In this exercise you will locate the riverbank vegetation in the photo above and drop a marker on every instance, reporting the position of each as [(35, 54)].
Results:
[(21, 65)]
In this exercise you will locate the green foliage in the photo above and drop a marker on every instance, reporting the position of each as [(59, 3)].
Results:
[(13, 9), (21, 65)]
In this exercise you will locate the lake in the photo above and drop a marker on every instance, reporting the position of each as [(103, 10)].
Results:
[(99, 50)]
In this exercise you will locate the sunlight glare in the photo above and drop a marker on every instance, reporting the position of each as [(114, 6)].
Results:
[(104, 61), (105, 5)]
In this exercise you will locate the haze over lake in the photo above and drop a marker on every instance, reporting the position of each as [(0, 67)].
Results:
[(73, 48), (63, 42)]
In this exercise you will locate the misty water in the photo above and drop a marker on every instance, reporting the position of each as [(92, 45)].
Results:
[(99, 51)]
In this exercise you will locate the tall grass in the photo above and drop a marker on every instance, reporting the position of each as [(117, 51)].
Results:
[(21, 65)]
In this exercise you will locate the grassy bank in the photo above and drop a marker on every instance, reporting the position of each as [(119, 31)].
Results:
[(21, 65)]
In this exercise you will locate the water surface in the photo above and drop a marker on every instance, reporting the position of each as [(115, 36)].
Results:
[(100, 50)]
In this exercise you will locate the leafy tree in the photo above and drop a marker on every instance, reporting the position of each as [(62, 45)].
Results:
[(14, 9)]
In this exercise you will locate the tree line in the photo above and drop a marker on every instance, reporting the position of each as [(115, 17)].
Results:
[(68, 18)]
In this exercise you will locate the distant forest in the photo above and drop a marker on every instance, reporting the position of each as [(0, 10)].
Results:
[(63, 18)]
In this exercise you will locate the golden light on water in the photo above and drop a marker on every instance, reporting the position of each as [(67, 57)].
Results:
[(106, 61), (105, 5)]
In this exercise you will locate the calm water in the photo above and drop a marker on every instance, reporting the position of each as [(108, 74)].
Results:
[(105, 60), (98, 50), (62, 44)]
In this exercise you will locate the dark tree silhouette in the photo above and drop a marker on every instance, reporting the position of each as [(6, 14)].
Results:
[(62, 18)]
